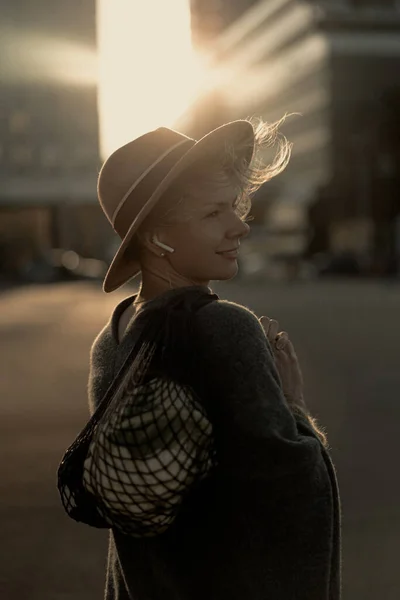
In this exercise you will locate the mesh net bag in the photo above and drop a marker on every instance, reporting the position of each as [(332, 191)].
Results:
[(146, 455), (149, 441)]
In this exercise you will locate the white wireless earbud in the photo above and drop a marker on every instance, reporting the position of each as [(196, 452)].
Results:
[(161, 245)]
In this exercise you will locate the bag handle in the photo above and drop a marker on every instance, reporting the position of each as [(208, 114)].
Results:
[(198, 303)]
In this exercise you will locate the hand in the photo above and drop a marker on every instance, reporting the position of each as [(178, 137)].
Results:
[(286, 362)]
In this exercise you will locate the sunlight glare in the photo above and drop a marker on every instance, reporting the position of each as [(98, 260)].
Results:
[(148, 71), (30, 56)]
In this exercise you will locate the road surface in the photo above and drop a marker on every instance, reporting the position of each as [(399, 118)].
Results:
[(346, 336)]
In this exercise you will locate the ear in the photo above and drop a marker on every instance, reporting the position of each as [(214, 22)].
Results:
[(147, 242)]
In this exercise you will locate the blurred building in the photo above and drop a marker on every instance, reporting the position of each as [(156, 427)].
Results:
[(209, 18), (49, 148), (337, 63)]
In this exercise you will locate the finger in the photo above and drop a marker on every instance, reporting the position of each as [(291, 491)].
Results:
[(290, 349), (273, 330), (264, 323), (281, 340)]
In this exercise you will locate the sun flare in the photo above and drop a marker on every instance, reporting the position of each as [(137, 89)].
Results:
[(148, 70)]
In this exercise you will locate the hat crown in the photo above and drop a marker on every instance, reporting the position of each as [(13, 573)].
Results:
[(129, 164)]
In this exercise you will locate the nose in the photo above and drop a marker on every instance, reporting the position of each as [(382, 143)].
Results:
[(246, 229), (239, 230)]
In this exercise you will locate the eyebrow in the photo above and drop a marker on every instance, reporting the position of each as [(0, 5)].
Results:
[(222, 204)]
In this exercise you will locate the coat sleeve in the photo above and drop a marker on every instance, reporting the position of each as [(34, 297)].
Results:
[(256, 432), (276, 481)]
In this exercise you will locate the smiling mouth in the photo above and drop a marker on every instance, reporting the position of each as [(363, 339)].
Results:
[(230, 250), (229, 253)]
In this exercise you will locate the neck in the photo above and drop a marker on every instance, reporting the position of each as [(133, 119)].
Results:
[(157, 282)]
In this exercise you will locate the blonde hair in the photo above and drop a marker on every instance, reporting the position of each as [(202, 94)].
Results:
[(247, 178)]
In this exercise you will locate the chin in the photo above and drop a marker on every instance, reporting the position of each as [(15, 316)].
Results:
[(226, 275)]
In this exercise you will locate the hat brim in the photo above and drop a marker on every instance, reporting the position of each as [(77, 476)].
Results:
[(122, 270)]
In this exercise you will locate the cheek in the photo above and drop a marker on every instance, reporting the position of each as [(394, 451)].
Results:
[(198, 238), (207, 232)]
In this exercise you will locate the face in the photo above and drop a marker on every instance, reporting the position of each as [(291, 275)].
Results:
[(206, 226)]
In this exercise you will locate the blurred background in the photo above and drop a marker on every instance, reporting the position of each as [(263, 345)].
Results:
[(77, 80)]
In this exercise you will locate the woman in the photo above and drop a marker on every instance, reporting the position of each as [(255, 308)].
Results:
[(266, 522)]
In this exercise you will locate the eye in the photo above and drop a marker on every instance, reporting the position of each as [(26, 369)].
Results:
[(215, 213)]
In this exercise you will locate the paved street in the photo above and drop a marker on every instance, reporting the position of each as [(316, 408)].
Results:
[(346, 336)]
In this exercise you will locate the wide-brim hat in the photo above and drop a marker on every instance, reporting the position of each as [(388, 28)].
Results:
[(134, 177)]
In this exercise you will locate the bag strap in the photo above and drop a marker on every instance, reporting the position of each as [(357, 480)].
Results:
[(200, 300)]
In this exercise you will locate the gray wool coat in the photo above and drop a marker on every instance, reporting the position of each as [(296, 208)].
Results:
[(266, 525)]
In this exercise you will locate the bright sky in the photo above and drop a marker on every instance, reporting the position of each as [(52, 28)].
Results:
[(148, 70)]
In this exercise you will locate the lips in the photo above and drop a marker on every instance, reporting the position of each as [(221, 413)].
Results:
[(230, 250), (229, 253)]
